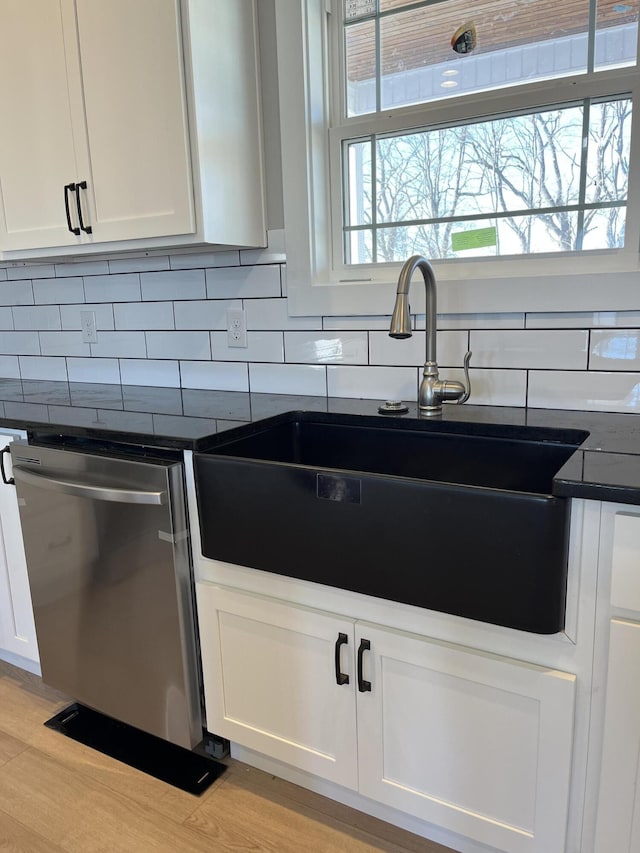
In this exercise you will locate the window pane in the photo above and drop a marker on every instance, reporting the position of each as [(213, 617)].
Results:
[(514, 41), (616, 33), (514, 185), (354, 9), (360, 63), (526, 234), (359, 195), (515, 235), (512, 163), (605, 229), (608, 151), (359, 247)]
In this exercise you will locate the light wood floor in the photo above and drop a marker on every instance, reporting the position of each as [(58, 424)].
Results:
[(57, 795)]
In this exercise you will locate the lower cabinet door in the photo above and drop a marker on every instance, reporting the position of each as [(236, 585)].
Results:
[(477, 744), (17, 629), (279, 679), (618, 823)]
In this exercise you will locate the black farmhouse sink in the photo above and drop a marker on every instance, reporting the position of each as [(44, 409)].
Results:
[(453, 517)]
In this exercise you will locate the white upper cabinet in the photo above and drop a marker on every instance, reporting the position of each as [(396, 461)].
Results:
[(129, 125)]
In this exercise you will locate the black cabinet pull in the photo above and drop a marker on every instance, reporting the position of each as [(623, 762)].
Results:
[(341, 677), (8, 481), (86, 228), (70, 188), (363, 686)]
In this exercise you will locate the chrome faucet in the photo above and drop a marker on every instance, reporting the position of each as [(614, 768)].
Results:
[(433, 391)]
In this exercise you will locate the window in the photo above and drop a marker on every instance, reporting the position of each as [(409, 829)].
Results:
[(539, 182), (494, 137)]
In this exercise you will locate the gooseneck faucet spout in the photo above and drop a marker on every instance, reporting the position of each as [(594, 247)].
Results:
[(433, 391)]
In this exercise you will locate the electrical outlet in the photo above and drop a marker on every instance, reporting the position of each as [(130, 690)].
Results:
[(88, 325), (236, 327)]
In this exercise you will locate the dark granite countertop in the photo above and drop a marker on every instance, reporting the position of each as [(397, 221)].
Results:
[(605, 467)]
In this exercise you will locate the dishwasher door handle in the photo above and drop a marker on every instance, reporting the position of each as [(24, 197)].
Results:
[(80, 490)]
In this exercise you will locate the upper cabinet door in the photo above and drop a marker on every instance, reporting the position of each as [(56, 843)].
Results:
[(134, 150), (37, 156), (147, 111), (93, 95)]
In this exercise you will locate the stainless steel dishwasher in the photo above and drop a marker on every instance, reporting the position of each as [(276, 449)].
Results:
[(108, 562)]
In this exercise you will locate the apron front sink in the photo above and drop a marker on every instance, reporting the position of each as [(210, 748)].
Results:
[(453, 517)]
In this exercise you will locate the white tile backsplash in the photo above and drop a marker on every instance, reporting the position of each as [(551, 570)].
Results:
[(148, 371), (57, 292), (63, 343), (105, 370), (554, 349), (495, 387), (308, 379), (615, 349), (243, 282), (6, 318), (600, 392), (35, 317), (214, 376), (119, 345), (122, 287), (16, 293), (9, 367), (355, 323), (20, 343), (32, 367), (174, 284), (326, 347), (144, 315), (477, 321), (272, 314), (583, 319), (82, 268), (70, 316), (451, 347), (146, 264), (261, 346), (32, 271), (201, 260), (204, 314), (178, 345), (372, 383), (161, 321)]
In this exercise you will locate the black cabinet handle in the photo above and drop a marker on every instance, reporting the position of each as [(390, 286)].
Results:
[(86, 228), (363, 686), (341, 677), (8, 481), (70, 188)]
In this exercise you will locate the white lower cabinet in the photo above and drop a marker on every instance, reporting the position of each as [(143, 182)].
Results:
[(618, 810), (474, 743), (269, 681), (17, 630), (618, 826)]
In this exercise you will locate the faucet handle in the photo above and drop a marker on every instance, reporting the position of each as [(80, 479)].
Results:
[(465, 365)]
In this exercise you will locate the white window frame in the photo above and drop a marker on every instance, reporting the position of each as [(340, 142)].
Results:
[(311, 154)]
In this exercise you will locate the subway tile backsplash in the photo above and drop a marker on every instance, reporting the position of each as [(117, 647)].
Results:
[(161, 321)]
